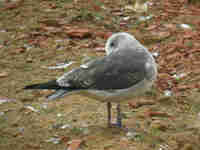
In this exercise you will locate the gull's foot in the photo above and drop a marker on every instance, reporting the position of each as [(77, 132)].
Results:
[(116, 125)]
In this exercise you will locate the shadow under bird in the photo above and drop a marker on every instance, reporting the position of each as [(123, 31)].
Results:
[(127, 70)]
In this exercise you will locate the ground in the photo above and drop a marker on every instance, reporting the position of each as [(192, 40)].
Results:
[(41, 33)]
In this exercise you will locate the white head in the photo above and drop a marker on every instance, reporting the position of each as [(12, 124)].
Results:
[(120, 40)]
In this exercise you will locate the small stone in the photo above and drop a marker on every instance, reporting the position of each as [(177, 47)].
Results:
[(29, 60), (185, 26), (2, 113), (126, 18), (54, 140), (3, 74), (131, 135), (44, 105), (5, 100), (61, 65), (59, 115), (179, 76), (66, 126), (168, 93), (32, 108)]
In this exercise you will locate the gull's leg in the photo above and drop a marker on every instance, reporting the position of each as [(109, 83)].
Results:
[(109, 106), (119, 117)]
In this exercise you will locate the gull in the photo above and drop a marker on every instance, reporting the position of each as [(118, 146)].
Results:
[(127, 70)]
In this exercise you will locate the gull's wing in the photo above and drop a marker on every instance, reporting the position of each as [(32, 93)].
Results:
[(119, 70)]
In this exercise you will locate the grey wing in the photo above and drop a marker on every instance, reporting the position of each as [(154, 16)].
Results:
[(78, 77), (116, 71)]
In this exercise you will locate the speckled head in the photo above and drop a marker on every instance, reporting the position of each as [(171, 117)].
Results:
[(119, 40)]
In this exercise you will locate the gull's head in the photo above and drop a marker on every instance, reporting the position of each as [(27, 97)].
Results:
[(119, 41)]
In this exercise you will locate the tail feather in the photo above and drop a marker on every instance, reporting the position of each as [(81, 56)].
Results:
[(52, 85), (48, 85)]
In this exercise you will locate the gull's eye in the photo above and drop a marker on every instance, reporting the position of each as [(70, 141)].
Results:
[(112, 44)]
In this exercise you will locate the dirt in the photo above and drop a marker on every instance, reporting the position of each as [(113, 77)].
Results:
[(41, 33)]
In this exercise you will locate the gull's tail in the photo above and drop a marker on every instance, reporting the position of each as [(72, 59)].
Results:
[(51, 85), (48, 85)]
